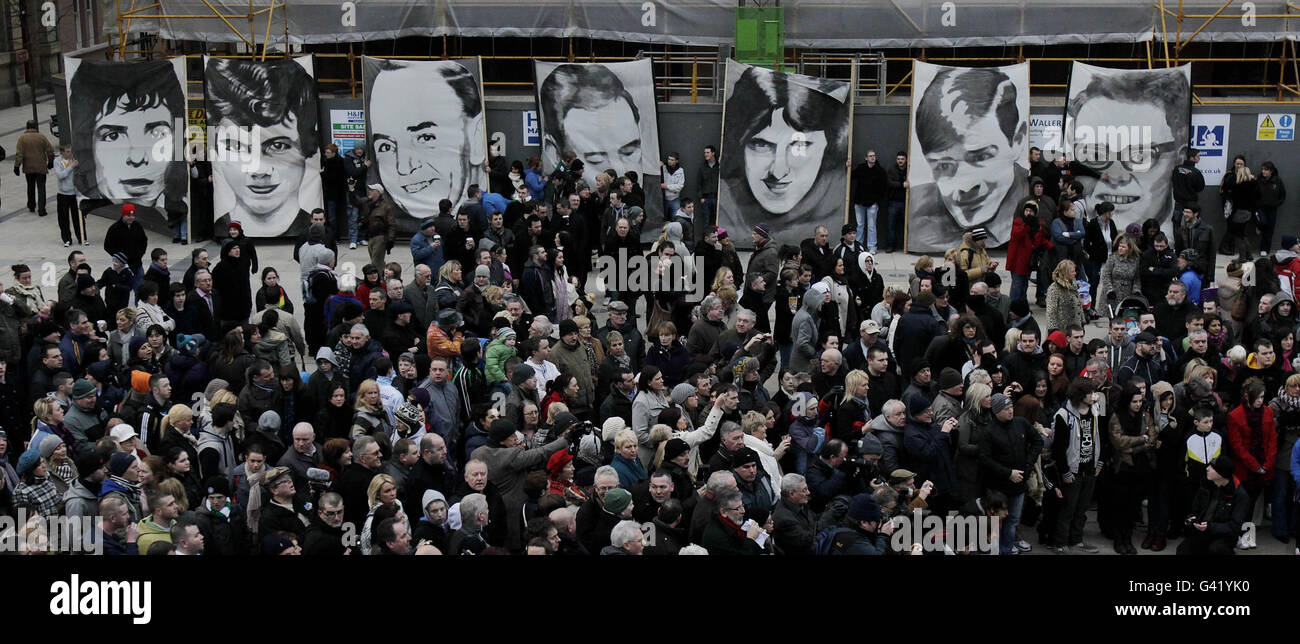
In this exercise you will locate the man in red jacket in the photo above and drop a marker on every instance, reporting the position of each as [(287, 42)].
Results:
[(1027, 235)]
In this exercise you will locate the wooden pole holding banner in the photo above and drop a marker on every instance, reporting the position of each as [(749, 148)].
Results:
[(482, 108), (848, 172), (907, 192)]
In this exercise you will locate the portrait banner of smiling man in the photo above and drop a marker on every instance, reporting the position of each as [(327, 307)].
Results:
[(1126, 130), (127, 121), (263, 143), (968, 154), (785, 144), (428, 141), (604, 113)]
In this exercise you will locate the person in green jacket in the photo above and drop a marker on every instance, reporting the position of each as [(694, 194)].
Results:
[(499, 352), (158, 526)]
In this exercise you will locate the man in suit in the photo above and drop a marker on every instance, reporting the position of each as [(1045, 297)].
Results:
[(205, 302), (419, 294)]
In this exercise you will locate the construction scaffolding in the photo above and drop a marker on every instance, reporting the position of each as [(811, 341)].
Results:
[(688, 60)]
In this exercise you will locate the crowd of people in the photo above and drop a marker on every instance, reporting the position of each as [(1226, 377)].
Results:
[(478, 406)]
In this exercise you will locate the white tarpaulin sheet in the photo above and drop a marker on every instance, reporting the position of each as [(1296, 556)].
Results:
[(809, 23)]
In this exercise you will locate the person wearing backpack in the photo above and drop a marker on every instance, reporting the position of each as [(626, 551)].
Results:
[(864, 531)]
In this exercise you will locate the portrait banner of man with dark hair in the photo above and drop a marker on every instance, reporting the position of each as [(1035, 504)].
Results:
[(426, 133), (127, 132), (597, 117), (264, 143), (1131, 128), (785, 152), (969, 150)]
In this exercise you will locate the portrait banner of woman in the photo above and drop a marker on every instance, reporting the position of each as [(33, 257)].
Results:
[(605, 114), (126, 122), (785, 148), (263, 143), (1131, 128), (428, 139), (969, 148)]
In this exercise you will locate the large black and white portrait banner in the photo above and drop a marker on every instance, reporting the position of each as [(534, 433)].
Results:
[(1125, 132), (425, 127), (785, 150), (127, 120), (263, 143), (604, 113), (968, 153)]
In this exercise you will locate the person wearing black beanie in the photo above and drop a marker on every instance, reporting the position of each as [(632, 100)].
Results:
[(82, 498), (1217, 512), (507, 465)]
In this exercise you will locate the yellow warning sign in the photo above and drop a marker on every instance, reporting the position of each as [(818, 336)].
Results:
[(1275, 127)]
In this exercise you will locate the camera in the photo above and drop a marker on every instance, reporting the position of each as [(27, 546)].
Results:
[(1191, 519), (577, 433)]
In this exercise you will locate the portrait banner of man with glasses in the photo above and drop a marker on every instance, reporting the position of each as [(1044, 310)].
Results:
[(1130, 127), (970, 126)]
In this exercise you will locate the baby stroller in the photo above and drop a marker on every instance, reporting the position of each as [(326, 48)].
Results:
[(1130, 309)]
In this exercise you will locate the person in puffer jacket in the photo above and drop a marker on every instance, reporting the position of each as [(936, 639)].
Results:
[(499, 353), (806, 437)]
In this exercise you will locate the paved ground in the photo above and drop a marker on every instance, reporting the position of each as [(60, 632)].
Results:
[(32, 240)]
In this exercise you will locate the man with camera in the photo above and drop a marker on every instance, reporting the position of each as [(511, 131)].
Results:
[(1218, 511), (506, 465), (927, 445), (866, 530)]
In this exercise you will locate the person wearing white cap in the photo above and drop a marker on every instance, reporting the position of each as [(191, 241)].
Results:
[(126, 438), (381, 229)]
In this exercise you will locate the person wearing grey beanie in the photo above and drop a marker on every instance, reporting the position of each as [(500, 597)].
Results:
[(1008, 449)]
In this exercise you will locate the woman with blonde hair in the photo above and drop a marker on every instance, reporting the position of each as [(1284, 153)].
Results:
[(851, 417), (1239, 191), (369, 418), (1063, 304), (629, 467), (177, 489), (754, 424), (382, 493), (970, 430), (119, 338), (1119, 275), (1011, 342), (882, 312), (48, 421), (723, 277), (449, 287), (659, 436)]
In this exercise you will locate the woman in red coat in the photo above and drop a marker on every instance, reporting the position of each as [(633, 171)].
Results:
[(1027, 235), (1252, 435)]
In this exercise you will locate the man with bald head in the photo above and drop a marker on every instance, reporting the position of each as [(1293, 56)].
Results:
[(431, 471), (830, 372), (567, 526), (303, 456)]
